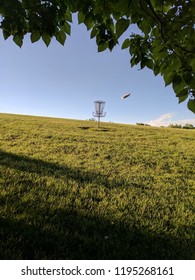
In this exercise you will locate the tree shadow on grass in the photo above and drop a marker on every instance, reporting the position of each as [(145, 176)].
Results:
[(75, 236), (47, 233), (43, 168)]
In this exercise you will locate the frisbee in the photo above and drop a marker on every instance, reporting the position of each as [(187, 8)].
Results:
[(125, 95)]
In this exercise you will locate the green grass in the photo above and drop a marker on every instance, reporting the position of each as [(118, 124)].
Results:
[(71, 191)]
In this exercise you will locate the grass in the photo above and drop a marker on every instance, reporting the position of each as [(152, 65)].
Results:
[(71, 191)]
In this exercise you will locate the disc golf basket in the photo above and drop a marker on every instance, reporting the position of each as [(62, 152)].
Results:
[(99, 108)]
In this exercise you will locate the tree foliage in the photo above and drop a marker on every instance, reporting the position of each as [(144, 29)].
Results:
[(165, 43)]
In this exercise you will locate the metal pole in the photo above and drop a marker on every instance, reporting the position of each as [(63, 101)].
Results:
[(99, 107), (98, 121)]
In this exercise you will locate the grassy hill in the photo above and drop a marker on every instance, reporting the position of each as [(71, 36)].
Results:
[(71, 191)]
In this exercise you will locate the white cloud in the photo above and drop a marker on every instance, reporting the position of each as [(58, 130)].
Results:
[(183, 122), (163, 120), (167, 119)]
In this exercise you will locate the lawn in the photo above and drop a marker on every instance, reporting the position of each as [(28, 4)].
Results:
[(69, 190)]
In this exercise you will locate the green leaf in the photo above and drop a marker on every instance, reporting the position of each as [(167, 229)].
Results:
[(192, 83), (102, 47), (182, 95), (95, 31), (157, 48), (126, 44), (66, 28), (111, 44), (162, 53), (191, 105), (46, 38), (182, 98), (121, 26), (156, 70), (182, 92), (68, 16), (132, 61), (192, 62), (145, 26), (171, 13), (61, 37), (168, 77), (88, 21), (143, 63), (35, 36), (18, 39), (81, 17), (178, 83), (149, 63), (156, 5), (6, 34), (166, 8), (135, 60)]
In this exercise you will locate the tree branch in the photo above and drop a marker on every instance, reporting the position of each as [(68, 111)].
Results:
[(153, 11)]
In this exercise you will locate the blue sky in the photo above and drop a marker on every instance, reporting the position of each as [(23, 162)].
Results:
[(65, 81)]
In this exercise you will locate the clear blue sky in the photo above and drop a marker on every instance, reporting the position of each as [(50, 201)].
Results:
[(65, 81)]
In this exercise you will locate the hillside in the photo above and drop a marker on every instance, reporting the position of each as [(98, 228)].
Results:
[(69, 190)]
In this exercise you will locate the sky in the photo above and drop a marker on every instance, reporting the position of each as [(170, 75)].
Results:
[(64, 81)]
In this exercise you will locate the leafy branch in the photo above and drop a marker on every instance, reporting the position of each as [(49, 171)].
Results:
[(166, 47)]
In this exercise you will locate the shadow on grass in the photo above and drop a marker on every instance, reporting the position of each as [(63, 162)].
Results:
[(75, 236), (84, 127), (100, 129), (49, 233), (43, 168), (103, 129)]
